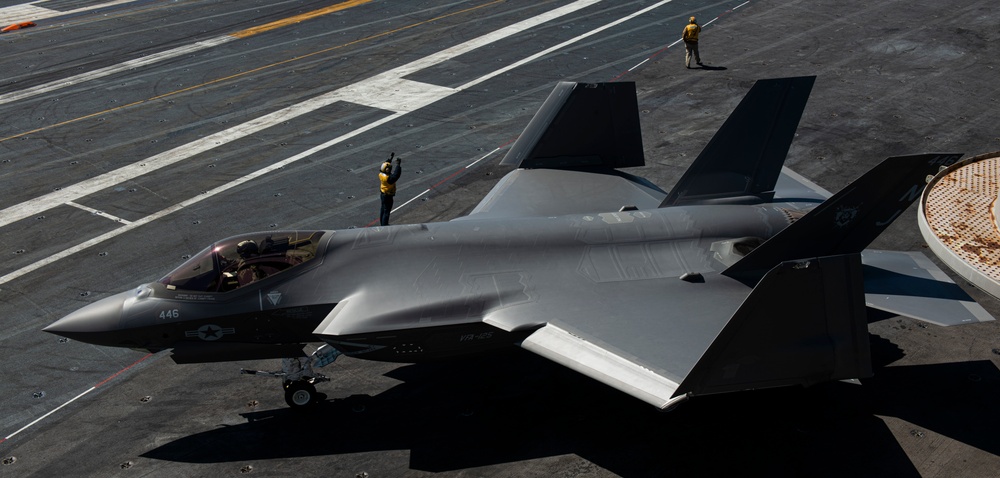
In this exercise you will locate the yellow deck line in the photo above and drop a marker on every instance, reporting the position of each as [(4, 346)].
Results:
[(298, 18), (248, 72)]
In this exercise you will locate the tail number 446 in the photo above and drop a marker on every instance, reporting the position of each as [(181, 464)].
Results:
[(170, 314)]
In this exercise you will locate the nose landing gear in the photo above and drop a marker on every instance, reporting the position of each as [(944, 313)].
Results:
[(298, 378)]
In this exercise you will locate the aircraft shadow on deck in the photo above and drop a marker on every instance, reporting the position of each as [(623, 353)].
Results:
[(515, 406)]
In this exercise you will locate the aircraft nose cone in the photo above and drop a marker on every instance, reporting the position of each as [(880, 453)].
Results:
[(95, 323)]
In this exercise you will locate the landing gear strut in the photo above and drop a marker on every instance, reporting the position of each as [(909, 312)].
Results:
[(298, 378)]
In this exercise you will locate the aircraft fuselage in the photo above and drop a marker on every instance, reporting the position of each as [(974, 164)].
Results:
[(435, 283)]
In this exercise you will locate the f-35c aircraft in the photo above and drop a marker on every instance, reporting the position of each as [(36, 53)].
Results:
[(745, 275)]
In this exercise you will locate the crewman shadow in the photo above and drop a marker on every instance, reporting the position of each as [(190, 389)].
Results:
[(517, 407), (708, 67)]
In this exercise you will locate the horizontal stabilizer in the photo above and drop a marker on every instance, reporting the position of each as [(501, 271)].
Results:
[(744, 158), (909, 284), (582, 125), (850, 220), (793, 187), (804, 323)]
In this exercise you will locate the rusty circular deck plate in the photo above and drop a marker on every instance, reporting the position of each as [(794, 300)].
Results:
[(958, 219)]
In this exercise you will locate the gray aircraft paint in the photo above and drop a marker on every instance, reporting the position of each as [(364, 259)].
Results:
[(573, 260)]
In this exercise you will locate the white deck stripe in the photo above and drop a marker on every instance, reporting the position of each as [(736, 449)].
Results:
[(560, 46), (43, 417), (403, 106), (177, 207), (31, 12), (393, 93), (98, 213), (110, 70)]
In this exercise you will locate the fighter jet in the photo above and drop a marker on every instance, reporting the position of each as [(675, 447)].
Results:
[(745, 275)]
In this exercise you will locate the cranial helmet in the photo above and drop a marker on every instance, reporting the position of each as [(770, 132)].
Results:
[(246, 248), (386, 166)]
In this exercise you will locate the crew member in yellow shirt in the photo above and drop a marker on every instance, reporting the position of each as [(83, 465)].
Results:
[(690, 37), (387, 177)]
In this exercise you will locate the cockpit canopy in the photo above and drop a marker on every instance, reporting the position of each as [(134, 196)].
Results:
[(235, 262)]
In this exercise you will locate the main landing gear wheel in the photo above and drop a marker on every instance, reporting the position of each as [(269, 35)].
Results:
[(300, 394)]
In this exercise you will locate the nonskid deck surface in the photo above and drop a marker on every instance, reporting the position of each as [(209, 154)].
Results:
[(116, 177)]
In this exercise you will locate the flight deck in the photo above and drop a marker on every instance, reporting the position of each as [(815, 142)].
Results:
[(135, 133)]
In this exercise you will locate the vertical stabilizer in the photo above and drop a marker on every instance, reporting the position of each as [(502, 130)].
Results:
[(850, 220), (582, 125), (744, 158)]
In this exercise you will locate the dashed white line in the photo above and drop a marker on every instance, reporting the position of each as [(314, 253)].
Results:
[(414, 198), (98, 213)]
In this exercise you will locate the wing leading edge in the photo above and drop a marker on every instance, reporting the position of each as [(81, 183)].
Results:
[(804, 323)]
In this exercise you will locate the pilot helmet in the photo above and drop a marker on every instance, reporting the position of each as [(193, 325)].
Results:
[(246, 248)]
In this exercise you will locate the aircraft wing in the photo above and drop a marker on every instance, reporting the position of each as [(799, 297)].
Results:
[(798, 326), (790, 311)]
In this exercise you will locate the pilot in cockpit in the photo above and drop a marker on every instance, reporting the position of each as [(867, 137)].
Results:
[(248, 273)]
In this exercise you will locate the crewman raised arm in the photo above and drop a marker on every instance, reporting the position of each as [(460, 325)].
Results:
[(388, 175)]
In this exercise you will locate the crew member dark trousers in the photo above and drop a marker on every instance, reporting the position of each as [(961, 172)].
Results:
[(386, 209), (691, 50)]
